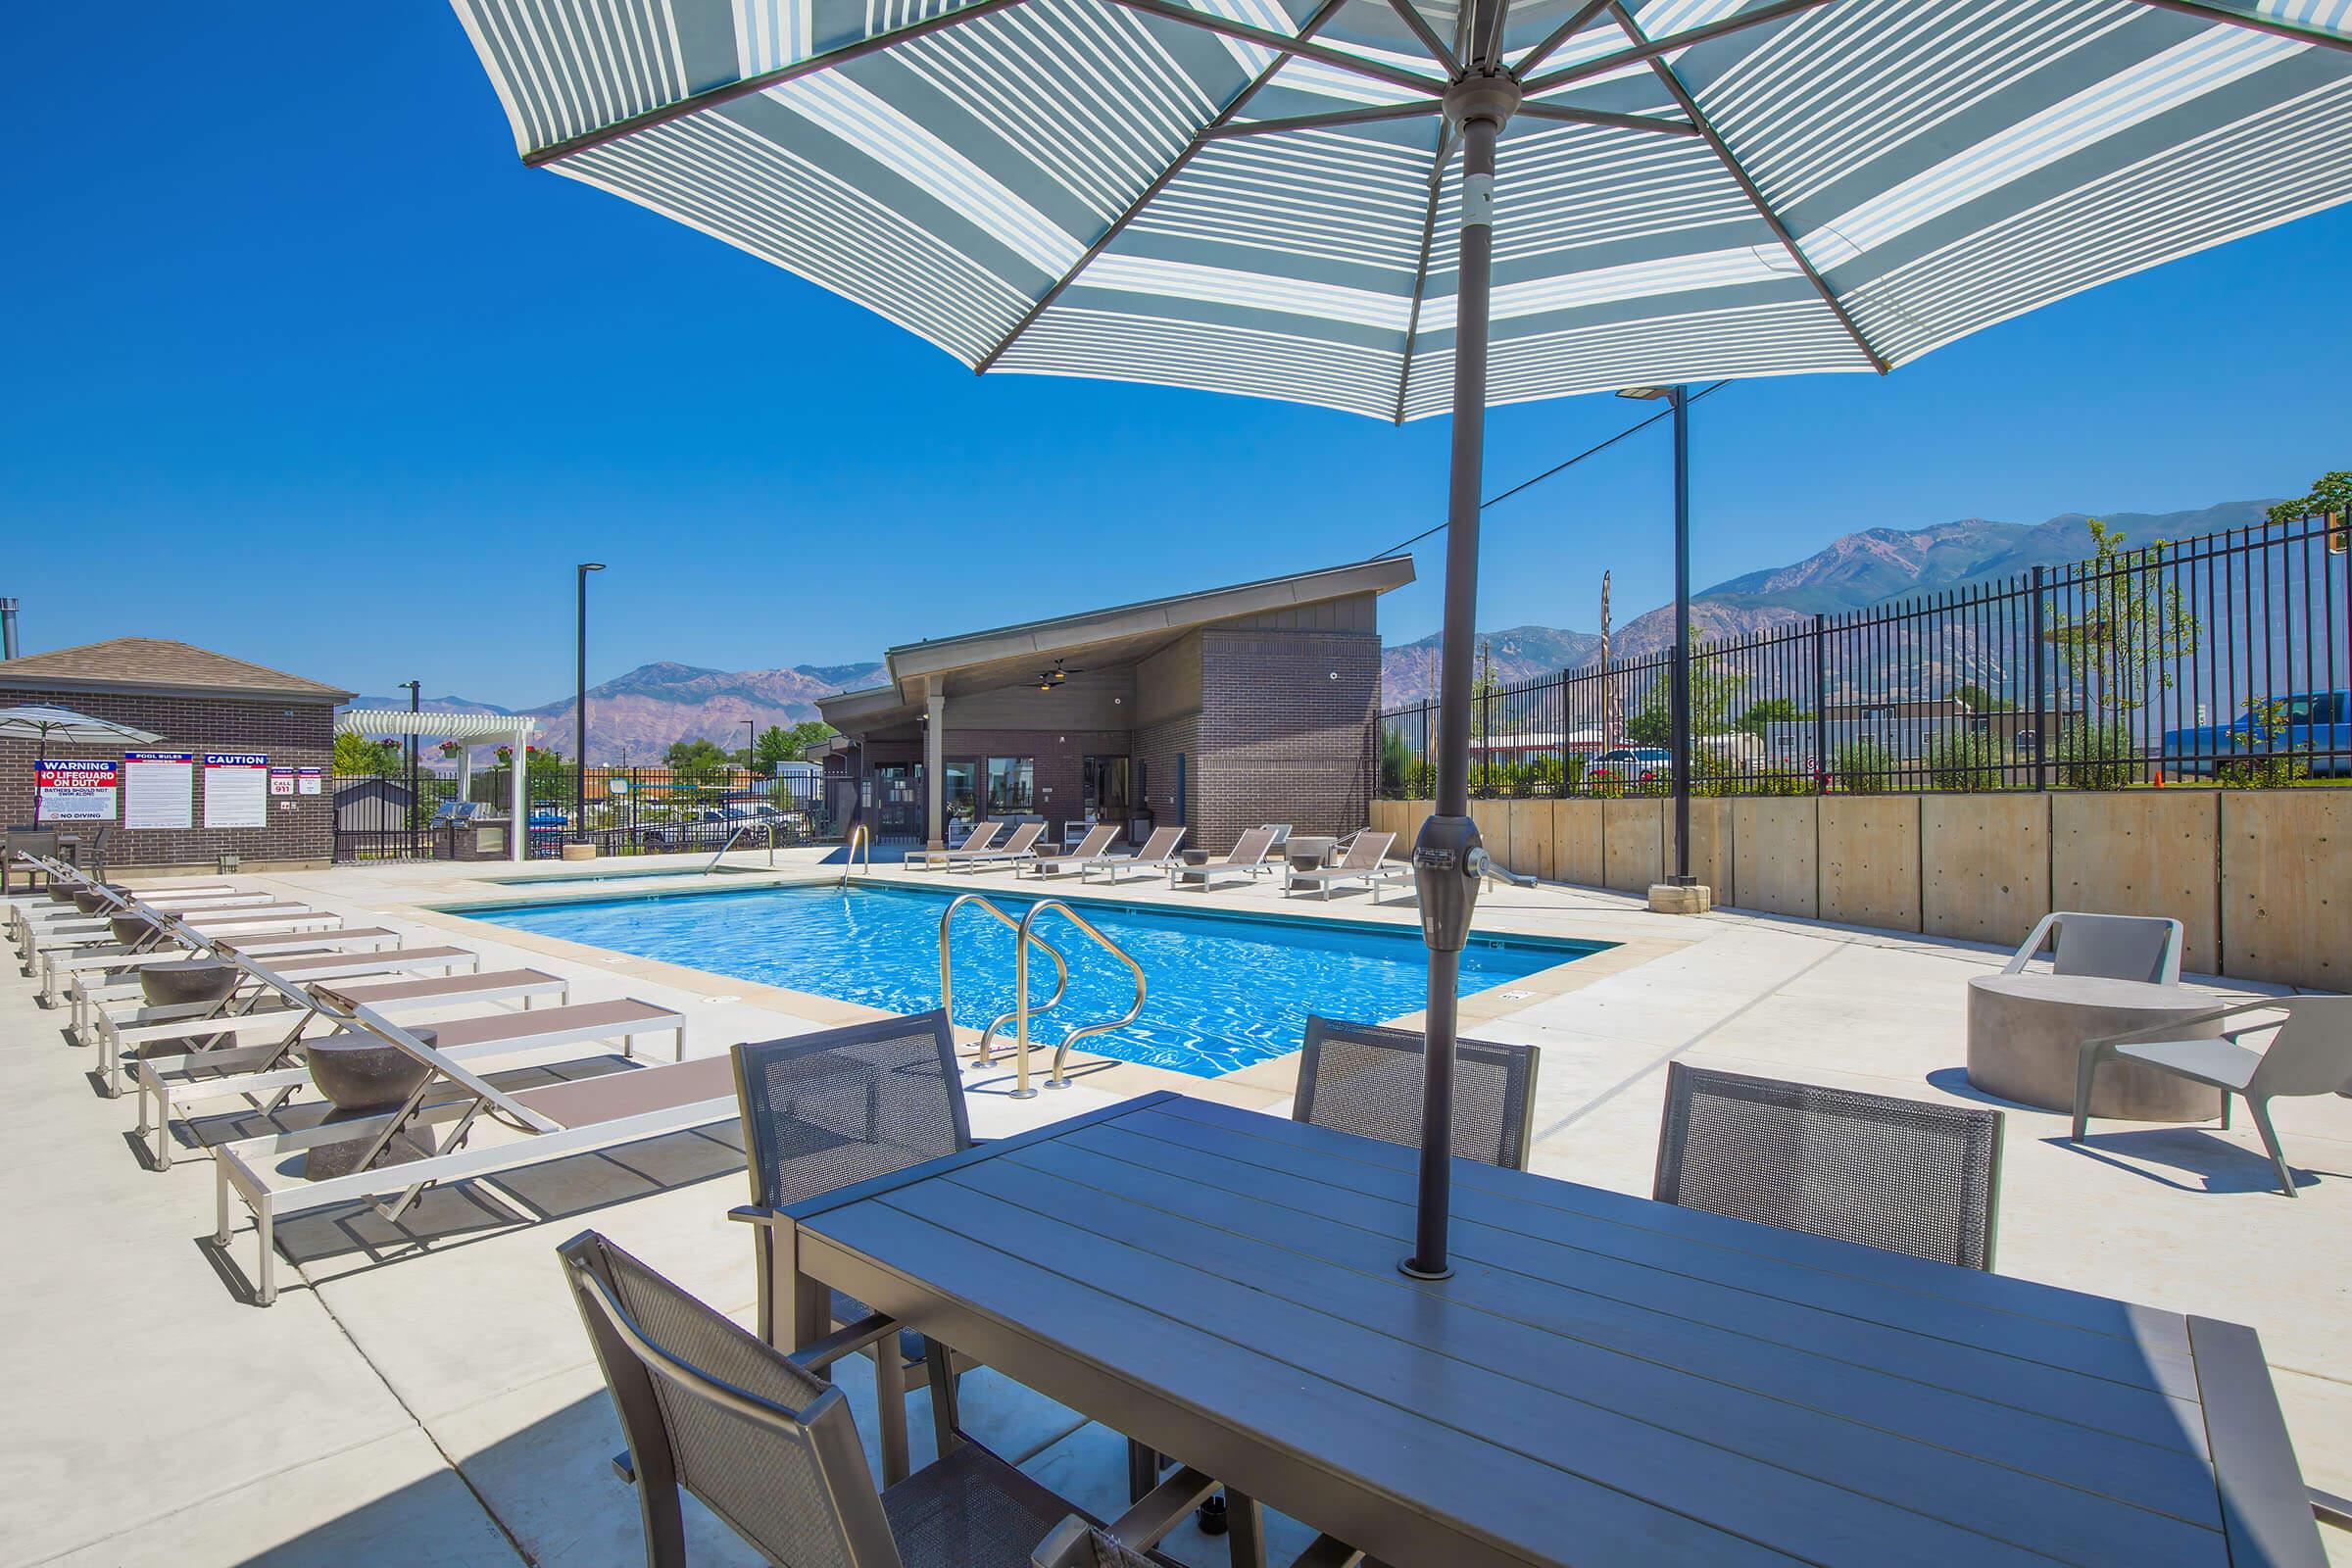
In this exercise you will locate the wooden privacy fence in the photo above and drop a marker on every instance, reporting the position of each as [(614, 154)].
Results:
[(2262, 879)]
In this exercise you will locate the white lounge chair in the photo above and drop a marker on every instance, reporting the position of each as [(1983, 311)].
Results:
[(1365, 862), (93, 993), (981, 837), (1019, 847), (1247, 859), (1092, 848), (553, 1121), (55, 966), (1159, 853)]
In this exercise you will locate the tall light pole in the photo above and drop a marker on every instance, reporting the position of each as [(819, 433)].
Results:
[(579, 713), (415, 691), (751, 745), (1678, 686)]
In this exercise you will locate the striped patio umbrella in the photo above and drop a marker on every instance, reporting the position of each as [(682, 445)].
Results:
[(1402, 207)]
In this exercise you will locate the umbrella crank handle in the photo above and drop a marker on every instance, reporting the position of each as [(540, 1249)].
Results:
[(1483, 864)]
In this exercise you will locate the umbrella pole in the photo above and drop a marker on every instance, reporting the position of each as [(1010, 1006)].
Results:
[(1447, 858)]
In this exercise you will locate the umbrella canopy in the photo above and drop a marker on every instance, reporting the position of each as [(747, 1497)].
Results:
[(42, 724), (1408, 207)]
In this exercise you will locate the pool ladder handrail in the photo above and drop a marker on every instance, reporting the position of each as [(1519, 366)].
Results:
[(848, 858), (1021, 937), (769, 828), (1057, 1079)]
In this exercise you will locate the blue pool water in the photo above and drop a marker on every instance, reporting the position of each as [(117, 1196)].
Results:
[(1223, 990)]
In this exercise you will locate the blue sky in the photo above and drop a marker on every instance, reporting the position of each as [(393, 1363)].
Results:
[(303, 366)]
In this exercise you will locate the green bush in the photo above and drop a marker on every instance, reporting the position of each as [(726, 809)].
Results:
[(1966, 759), (2097, 757), (1783, 781), (2267, 770), (1861, 767)]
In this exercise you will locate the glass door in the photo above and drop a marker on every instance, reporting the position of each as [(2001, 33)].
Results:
[(959, 797), (899, 801)]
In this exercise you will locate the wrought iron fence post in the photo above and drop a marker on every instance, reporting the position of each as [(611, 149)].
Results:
[(2035, 677), (1821, 704)]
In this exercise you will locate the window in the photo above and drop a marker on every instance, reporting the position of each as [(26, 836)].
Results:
[(1106, 792), (1011, 785), (958, 791)]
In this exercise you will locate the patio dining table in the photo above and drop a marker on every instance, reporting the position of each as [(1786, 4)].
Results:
[(1603, 1380)]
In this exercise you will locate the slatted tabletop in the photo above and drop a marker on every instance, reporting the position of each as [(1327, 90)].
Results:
[(1605, 1379)]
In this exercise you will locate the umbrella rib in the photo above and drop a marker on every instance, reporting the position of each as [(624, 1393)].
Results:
[(1176, 166), (743, 87), (1419, 24), (2206, 10), (1340, 116), (1673, 82), (1429, 234), (1560, 35), (1297, 44), (1655, 47), (1597, 117)]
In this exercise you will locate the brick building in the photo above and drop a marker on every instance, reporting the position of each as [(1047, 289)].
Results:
[(1218, 709), (196, 702)]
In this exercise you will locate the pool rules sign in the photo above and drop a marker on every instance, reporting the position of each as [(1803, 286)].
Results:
[(76, 792), (236, 789)]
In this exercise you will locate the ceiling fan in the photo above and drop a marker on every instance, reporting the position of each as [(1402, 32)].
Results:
[(1050, 679)]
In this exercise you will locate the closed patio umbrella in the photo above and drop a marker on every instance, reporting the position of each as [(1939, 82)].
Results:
[(1402, 207)]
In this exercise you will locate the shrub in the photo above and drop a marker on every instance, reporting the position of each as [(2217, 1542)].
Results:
[(1861, 767), (1966, 759), (2097, 757), (2268, 771)]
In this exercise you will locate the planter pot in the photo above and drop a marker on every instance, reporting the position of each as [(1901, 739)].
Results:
[(363, 1077), (130, 927), (92, 901), (579, 852), (329, 1161), (166, 985)]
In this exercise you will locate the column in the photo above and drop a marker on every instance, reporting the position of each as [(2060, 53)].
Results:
[(518, 836), (935, 770)]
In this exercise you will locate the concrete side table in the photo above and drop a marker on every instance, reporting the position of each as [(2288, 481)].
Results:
[(1311, 853), (2024, 1031)]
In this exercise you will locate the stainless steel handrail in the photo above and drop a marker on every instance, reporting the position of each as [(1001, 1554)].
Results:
[(1020, 984), (769, 828), (1020, 1008), (848, 858)]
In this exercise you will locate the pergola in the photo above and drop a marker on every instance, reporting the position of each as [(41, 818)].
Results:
[(513, 729)]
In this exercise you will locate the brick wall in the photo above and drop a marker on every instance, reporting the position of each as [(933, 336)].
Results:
[(1157, 748), (292, 735), (1285, 732)]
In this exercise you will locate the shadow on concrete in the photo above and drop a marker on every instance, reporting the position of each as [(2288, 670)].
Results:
[(2215, 1165)]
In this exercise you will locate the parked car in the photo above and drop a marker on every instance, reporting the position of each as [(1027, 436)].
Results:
[(2313, 724), (1631, 764)]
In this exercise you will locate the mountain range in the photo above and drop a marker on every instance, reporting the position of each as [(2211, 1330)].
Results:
[(637, 715)]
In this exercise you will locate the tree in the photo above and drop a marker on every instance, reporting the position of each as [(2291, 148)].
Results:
[(697, 761), (2330, 496), (543, 771), (1712, 693), (1770, 711), (1977, 699), (356, 754), (2129, 625)]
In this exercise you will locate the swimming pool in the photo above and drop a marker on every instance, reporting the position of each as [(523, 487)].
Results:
[(1224, 990)]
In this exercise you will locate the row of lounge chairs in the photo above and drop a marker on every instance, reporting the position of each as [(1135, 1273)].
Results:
[(1363, 859), (264, 999)]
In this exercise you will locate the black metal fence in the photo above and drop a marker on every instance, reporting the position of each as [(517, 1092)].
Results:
[(2218, 659), (397, 815)]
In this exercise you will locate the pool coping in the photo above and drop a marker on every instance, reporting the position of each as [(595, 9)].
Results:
[(1259, 1085)]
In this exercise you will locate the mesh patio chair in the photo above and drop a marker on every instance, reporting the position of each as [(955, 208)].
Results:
[(1898, 1174), (1357, 1078), (2310, 1055), (33, 843), (770, 1448), (2110, 947), (823, 1110)]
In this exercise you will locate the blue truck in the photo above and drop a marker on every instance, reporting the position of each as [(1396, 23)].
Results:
[(2317, 725)]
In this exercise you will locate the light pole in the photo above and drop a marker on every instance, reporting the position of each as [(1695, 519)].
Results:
[(751, 745), (1679, 685), (579, 713), (415, 691)]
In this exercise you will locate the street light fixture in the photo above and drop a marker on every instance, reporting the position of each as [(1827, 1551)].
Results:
[(1679, 685), (579, 728), (751, 745)]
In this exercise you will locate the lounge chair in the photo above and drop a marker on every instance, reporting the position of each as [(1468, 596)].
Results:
[(2111, 947), (1018, 849), (1159, 853), (263, 1076), (554, 1120), (982, 836), (769, 1445), (1247, 859), (1092, 848), (1365, 862), (55, 966), (96, 997), (1898, 1174), (2311, 1054)]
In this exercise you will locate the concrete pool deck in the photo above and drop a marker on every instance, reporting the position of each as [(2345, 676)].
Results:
[(423, 1392)]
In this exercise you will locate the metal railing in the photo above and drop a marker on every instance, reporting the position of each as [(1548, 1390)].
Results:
[(764, 827), (1022, 1010), (849, 856)]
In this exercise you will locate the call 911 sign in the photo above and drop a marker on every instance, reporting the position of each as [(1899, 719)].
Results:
[(77, 792)]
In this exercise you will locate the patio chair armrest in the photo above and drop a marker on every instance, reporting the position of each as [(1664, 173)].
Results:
[(1066, 1547), (1328, 1552), (2035, 938), (753, 1214), (2171, 1028), (843, 1341), (1163, 1509)]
